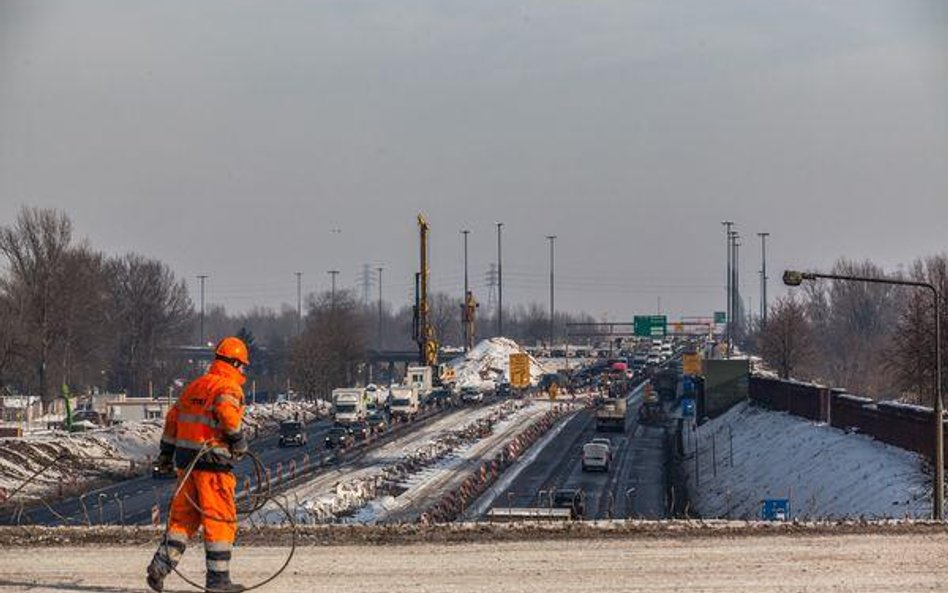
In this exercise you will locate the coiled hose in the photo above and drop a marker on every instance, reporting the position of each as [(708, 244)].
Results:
[(256, 501)]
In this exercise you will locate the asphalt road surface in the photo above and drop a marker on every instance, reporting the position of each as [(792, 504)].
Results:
[(130, 501), (633, 487)]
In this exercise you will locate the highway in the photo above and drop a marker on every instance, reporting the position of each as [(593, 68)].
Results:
[(633, 487), (130, 501)]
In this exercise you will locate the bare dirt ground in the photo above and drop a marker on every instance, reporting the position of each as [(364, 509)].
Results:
[(695, 559)]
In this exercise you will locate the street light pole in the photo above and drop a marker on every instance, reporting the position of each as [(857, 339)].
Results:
[(299, 302), (727, 322), (332, 293), (552, 239), (763, 278), (795, 278), (500, 283), (464, 320), (738, 305), (202, 278), (379, 346)]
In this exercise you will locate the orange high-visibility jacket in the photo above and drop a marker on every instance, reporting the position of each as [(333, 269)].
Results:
[(208, 412)]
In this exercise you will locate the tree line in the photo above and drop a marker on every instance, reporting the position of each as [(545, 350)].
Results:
[(73, 319), (872, 339)]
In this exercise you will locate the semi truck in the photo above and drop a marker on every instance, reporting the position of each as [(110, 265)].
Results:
[(611, 413), (348, 405), (403, 401)]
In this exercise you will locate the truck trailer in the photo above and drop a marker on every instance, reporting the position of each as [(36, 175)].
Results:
[(611, 413)]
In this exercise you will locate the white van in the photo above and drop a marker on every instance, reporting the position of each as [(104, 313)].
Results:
[(596, 456)]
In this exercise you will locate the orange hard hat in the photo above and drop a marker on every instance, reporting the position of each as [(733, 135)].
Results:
[(232, 348)]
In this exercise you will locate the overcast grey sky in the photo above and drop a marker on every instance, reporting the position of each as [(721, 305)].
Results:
[(229, 138)]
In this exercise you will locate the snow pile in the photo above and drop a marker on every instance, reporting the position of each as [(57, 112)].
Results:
[(265, 415), (84, 456), (825, 472), (488, 363), (364, 497)]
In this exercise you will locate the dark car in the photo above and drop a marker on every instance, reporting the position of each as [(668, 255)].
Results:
[(339, 437), (574, 500), (441, 397), (377, 422), (471, 395), (360, 430), (503, 390), (292, 433)]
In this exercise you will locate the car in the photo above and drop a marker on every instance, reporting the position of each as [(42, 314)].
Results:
[(471, 395), (377, 422), (503, 390), (158, 474), (292, 432), (574, 500), (602, 441), (441, 397), (360, 430), (339, 437), (596, 455)]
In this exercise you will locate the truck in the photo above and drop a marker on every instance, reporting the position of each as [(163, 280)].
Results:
[(375, 397), (611, 413), (403, 401), (348, 405), (651, 412)]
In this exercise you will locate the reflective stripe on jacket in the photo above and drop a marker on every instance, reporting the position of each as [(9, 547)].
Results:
[(208, 413)]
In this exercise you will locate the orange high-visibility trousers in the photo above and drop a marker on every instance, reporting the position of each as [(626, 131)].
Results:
[(211, 505)]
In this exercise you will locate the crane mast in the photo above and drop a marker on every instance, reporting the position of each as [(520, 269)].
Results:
[(424, 332)]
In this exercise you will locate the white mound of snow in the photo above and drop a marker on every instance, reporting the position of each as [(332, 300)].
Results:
[(488, 363)]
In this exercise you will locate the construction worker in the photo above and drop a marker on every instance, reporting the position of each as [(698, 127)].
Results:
[(205, 424)]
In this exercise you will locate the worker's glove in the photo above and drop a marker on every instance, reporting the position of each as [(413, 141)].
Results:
[(165, 462), (239, 448)]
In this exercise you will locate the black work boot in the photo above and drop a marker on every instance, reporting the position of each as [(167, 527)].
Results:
[(165, 559), (156, 575), (219, 582)]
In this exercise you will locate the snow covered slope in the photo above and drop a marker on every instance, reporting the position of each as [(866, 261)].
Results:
[(825, 472)]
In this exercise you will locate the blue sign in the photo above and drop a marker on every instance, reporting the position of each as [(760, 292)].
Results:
[(687, 407), (775, 509), (687, 384)]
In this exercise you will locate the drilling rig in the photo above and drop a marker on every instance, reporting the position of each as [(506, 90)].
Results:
[(423, 331)]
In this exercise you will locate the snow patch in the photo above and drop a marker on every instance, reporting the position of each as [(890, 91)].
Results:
[(826, 473)]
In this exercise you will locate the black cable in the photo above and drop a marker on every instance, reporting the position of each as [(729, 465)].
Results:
[(257, 502)]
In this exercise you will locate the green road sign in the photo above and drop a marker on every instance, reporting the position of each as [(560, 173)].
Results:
[(720, 316), (650, 326)]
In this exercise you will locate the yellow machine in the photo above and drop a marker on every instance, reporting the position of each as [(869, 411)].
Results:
[(423, 330)]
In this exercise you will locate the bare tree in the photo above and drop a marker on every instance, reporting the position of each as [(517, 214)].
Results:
[(332, 346), (912, 352), (36, 247), (151, 311), (446, 318), (786, 342)]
